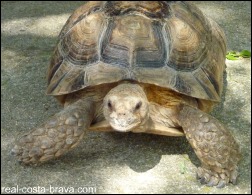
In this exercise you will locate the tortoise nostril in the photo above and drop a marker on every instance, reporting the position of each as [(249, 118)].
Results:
[(121, 113)]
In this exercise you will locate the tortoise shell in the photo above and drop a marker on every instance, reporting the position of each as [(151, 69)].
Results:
[(168, 44)]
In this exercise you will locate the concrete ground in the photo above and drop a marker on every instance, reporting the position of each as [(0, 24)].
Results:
[(109, 162)]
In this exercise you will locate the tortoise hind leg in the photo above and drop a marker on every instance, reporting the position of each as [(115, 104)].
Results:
[(213, 144), (55, 137)]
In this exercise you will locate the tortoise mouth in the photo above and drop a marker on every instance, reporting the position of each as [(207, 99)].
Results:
[(123, 126)]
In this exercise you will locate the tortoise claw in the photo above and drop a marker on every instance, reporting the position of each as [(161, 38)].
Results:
[(212, 178), (234, 181), (213, 182), (234, 175), (221, 184), (202, 180)]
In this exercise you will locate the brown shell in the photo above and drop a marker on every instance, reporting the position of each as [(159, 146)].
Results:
[(169, 44)]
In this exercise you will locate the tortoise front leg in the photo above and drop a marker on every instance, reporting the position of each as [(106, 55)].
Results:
[(213, 144), (56, 136)]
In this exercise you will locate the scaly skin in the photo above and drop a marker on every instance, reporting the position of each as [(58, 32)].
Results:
[(58, 135), (213, 144)]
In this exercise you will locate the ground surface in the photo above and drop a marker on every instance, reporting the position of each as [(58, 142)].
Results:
[(109, 162)]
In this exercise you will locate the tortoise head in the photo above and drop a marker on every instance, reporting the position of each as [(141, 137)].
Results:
[(126, 107)]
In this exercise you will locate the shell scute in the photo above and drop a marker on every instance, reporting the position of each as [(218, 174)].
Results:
[(169, 44)]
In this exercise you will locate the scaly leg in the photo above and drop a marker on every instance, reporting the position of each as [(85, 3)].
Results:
[(56, 136), (213, 144)]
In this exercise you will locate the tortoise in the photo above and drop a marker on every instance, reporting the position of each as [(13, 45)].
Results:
[(144, 67)]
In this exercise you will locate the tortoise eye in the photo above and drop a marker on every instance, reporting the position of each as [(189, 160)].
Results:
[(109, 104), (138, 106)]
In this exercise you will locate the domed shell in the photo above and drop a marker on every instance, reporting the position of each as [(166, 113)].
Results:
[(169, 44)]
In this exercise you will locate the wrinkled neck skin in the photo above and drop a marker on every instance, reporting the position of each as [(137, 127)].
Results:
[(126, 107)]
